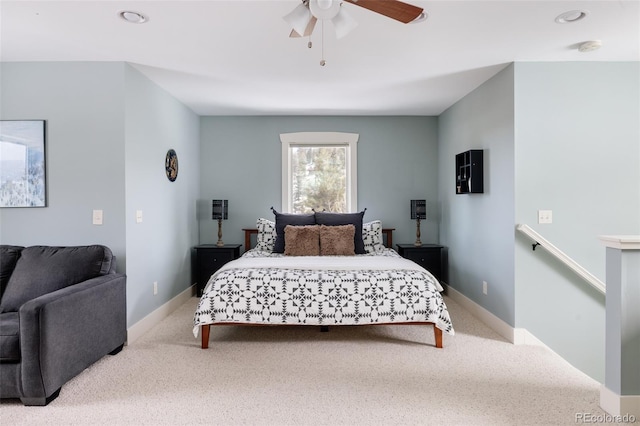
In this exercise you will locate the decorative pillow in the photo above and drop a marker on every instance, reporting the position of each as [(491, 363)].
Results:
[(284, 219), (372, 236), (337, 240), (355, 219), (302, 240), (266, 235)]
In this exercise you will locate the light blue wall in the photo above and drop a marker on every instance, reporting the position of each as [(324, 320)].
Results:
[(577, 154), (478, 228), (108, 130), (158, 249), (557, 136), (82, 104), (397, 162)]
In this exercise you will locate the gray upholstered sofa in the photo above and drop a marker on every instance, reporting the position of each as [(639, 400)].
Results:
[(61, 310)]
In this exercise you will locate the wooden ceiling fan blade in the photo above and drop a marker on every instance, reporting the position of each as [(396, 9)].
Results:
[(394, 9)]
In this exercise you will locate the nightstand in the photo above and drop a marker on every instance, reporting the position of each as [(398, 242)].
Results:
[(431, 257), (210, 258)]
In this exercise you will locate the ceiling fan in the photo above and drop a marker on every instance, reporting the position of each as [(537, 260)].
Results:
[(304, 17)]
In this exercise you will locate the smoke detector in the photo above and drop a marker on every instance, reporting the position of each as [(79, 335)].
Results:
[(589, 46)]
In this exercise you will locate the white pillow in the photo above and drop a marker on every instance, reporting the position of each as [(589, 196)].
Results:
[(266, 235), (372, 236)]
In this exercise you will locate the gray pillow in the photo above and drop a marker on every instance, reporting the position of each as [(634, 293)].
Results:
[(355, 219), (284, 219), (43, 269)]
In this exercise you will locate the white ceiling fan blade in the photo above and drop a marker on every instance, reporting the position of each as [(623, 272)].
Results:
[(343, 23), (299, 18)]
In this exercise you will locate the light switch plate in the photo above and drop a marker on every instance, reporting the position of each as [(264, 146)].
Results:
[(138, 216), (97, 217)]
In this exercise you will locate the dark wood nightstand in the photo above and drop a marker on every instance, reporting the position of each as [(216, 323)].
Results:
[(431, 257), (210, 258)]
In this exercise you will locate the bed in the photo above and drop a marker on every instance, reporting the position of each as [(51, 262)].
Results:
[(376, 286)]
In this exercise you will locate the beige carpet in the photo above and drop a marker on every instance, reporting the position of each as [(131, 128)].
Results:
[(389, 375)]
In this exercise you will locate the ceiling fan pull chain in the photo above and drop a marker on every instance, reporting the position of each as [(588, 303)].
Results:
[(309, 44), (322, 61)]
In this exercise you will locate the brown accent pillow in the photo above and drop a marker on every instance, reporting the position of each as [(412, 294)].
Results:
[(302, 240), (337, 240)]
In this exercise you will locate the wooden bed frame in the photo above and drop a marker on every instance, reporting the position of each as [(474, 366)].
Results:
[(205, 329)]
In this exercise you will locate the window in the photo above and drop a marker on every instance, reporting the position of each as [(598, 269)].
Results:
[(319, 171)]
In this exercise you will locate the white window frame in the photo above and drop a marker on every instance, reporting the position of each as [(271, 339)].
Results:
[(349, 140)]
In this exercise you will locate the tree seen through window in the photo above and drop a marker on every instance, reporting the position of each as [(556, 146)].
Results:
[(319, 178)]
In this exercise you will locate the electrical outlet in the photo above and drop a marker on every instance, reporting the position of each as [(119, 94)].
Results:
[(155, 288), (484, 287), (545, 216)]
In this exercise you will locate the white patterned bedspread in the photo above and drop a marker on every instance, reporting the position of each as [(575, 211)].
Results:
[(264, 288)]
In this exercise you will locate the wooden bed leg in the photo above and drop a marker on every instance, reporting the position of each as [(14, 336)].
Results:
[(204, 331), (438, 335)]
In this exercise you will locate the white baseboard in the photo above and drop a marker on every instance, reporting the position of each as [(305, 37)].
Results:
[(147, 323), (517, 336), (620, 405)]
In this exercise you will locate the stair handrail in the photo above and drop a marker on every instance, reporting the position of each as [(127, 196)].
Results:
[(562, 256)]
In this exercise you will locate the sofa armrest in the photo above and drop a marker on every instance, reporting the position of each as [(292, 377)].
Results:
[(64, 332)]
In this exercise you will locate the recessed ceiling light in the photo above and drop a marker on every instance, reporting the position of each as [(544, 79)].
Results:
[(571, 16), (133, 17)]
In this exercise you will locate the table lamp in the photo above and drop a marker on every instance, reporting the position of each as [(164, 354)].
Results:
[(220, 212)]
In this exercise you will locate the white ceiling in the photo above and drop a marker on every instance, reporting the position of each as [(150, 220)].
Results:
[(235, 57)]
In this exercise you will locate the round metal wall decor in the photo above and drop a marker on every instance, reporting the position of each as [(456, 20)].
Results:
[(171, 165)]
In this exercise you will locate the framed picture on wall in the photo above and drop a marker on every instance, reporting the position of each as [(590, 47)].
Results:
[(22, 163)]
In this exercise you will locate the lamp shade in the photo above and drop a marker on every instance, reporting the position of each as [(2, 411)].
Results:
[(343, 23), (298, 18), (418, 209), (220, 209)]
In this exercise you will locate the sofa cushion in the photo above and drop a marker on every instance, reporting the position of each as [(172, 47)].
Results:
[(8, 257), (9, 337), (44, 269)]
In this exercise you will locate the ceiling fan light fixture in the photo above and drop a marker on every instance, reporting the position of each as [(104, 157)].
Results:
[(307, 31), (328, 9), (571, 16), (133, 17), (299, 18), (343, 23)]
